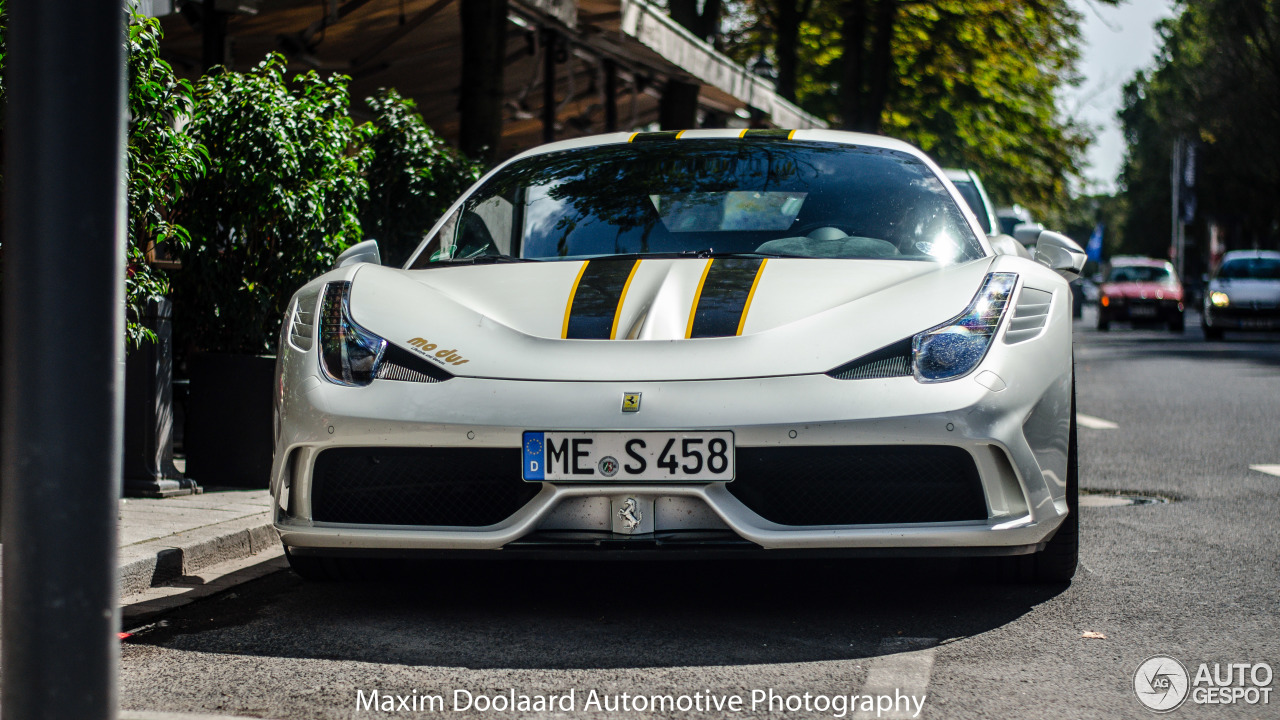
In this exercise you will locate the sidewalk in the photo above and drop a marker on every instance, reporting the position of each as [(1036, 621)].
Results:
[(166, 543)]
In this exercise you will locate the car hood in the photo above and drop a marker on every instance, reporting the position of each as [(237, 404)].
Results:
[(803, 315), (1142, 290), (1248, 291)]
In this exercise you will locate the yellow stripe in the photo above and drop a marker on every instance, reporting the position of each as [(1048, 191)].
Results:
[(680, 133), (697, 295), (742, 322), (617, 314), (791, 134), (633, 136), (743, 133), (568, 308)]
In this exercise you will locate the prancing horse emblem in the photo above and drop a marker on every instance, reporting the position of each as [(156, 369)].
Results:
[(630, 515), (630, 402)]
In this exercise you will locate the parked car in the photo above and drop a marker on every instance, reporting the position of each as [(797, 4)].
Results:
[(761, 342), (1244, 294), (970, 187), (1141, 290)]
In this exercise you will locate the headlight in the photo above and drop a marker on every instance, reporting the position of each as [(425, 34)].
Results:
[(1219, 299), (952, 349), (349, 354)]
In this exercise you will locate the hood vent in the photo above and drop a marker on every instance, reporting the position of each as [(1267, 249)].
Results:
[(302, 328), (400, 364), (1029, 315), (891, 361)]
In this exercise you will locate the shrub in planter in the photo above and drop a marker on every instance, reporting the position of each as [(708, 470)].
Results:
[(278, 202), (413, 176)]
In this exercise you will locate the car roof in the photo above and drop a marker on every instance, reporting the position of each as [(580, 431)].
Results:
[(1236, 254), (812, 134), (1136, 260)]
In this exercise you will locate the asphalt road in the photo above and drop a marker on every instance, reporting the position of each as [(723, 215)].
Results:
[(1196, 578)]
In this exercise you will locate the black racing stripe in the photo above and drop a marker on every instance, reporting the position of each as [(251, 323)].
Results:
[(724, 297), (660, 135), (599, 290), (775, 133)]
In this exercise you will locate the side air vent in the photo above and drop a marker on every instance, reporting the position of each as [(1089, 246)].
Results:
[(302, 324), (1029, 315), (400, 364), (891, 361)]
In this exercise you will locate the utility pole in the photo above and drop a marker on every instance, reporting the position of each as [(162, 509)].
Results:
[(1179, 229), (63, 362)]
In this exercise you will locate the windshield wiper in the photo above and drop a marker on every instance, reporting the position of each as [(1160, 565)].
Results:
[(489, 260)]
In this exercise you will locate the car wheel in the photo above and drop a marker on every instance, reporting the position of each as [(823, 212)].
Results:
[(1178, 323), (1104, 322), (1057, 562), (1211, 333)]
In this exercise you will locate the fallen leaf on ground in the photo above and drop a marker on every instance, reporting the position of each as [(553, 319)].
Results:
[(1091, 635)]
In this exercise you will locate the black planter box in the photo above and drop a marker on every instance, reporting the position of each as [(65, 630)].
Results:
[(228, 420)]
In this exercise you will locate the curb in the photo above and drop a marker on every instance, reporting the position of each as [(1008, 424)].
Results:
[(151, 563)]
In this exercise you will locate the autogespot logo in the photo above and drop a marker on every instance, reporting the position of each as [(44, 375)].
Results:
[(1161, 683)]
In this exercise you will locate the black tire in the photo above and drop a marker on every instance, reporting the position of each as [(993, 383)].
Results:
[(1211, 333), (1104, 322), (1057, 562), (1178, 324)]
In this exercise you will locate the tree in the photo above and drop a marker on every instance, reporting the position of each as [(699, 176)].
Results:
[(1216, 84), (413, 176)]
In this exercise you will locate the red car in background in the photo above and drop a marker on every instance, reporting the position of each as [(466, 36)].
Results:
[(1141, 290)]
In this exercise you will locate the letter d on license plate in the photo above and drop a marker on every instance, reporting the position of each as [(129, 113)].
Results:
[(700, 455)]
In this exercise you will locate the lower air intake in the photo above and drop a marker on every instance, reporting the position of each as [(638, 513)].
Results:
[(459, 487), (859, 484)]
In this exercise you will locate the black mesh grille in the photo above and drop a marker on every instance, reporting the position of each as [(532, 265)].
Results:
[(891, 361), (400, 364), (467, 487), (859, 485)]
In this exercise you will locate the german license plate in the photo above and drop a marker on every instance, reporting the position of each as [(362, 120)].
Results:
[(1142, 311), (703, 455), (1257, 323)]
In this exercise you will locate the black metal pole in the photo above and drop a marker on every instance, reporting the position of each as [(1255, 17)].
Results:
[(63, 358), (549, 86)]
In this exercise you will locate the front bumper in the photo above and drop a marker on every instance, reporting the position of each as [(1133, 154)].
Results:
[(1242, 317), (1139, 310), (1010, 416)]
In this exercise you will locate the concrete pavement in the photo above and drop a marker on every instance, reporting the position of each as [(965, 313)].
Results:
[(164, 540)]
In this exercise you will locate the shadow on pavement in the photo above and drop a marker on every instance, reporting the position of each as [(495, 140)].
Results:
[(603, 614)]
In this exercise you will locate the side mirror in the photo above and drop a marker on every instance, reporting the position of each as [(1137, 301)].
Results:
[(1027, 233), (1060, 254), (363, 252)]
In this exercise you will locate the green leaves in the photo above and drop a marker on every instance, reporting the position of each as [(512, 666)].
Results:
[(413, 176), (277, 204)]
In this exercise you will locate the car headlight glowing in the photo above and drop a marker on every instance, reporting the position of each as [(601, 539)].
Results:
[(954, 348), (1219, 299), (349, 354)]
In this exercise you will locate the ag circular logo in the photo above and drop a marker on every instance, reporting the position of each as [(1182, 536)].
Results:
[(1161, 683), (608, 466)]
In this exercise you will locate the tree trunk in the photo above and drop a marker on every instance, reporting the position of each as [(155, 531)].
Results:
[(484, 41), (851, 79), (678, 109), (705, 25), (786, 23), (881, 69)]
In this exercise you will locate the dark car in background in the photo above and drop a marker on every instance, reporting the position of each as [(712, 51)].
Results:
[(1244, 294), (1141, 290), (975, 196)]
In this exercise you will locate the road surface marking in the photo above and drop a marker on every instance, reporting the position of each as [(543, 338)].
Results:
[(1094, 423), (903, 667), (1268, 469)]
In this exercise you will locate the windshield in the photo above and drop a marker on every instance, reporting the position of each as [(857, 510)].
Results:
[(790, 199), (1250, 269), (1140, 274)]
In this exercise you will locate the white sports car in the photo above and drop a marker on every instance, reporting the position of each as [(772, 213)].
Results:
[(712, 341)]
